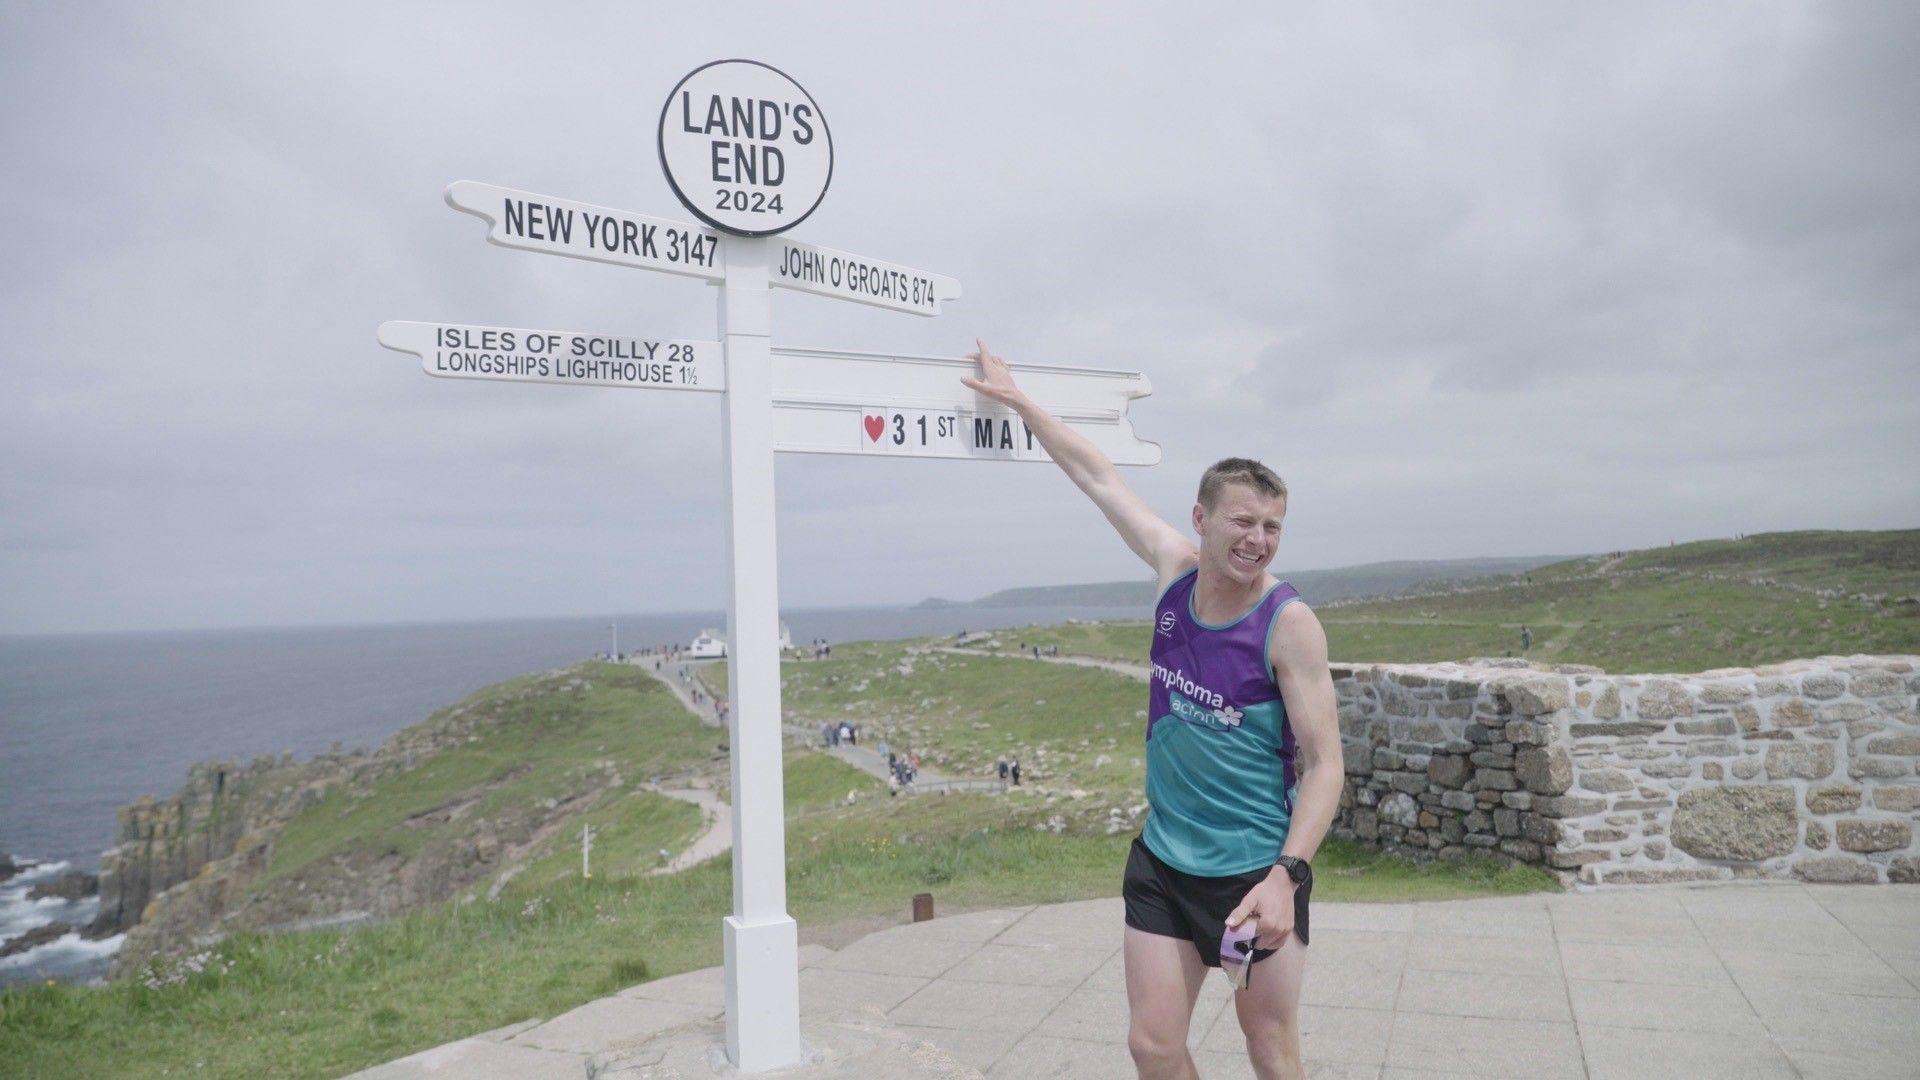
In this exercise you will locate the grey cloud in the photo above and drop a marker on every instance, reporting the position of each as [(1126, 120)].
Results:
[(1477, 281)]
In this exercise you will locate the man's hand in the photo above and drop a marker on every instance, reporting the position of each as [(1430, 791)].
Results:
[(1270, 905), (996, 379)]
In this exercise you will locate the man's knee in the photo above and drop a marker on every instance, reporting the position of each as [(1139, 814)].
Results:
[(1155, 1052)]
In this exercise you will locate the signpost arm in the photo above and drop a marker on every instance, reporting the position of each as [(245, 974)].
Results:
[(762, 946)]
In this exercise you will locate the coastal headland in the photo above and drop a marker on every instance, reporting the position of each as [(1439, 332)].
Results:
[(442, 873)]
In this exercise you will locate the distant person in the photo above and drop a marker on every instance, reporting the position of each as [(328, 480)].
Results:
[(1244, 770), (1000, 766), (1013, 770), (1526, 638), (893, 782)]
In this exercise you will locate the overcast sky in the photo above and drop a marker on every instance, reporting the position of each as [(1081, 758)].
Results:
[(1475, 279)]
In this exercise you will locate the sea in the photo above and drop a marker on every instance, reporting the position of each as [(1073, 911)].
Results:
[(91, 722)]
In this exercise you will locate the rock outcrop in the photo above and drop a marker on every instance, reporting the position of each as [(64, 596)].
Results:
[(199, 865), (72, 885), (165, 843), (35, 938)]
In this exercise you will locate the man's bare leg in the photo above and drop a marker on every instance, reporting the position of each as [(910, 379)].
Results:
[(1269, 1010), (1163, 982)]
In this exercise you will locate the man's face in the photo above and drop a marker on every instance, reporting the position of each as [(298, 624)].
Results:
[(1239, 535)]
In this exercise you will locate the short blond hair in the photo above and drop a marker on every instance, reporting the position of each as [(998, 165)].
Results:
[(1239, 470)]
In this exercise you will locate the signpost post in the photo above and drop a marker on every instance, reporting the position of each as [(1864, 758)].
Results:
[(749, 153)]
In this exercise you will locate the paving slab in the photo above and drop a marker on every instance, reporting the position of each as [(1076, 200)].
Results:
[(1482, 1047), (1869, 976), (1615, 1053), (901, 951), (1088, 1013), (707, 986), (831, 992), (1746, 979), (1035, 965), (1044, 1056), (1469, 993), (975, 1050), (1345, 1036), (1088, 923), (972, 925), (1489, 955), (481, 1058), (977, 1006), (1506, 917), (1661, 965), (1719, 1010), (599, 1024), (1637, 919)]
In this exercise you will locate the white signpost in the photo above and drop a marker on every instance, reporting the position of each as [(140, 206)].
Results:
[(748, 152)]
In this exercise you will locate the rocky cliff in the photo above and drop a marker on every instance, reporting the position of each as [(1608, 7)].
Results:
[(200, 864), (199, 846)]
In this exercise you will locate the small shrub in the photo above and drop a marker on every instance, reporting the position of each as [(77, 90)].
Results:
[(627, 972)]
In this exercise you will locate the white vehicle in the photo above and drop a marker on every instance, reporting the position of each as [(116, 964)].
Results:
[(707, 647)]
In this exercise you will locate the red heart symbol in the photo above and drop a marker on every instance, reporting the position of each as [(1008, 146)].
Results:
[(875, 425)]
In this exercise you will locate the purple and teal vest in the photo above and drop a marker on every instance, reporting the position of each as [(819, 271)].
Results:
[(1220, 777)]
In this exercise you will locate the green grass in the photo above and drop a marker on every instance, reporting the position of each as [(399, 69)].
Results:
[(1125, 640), (961, 713), (552, 736), (628, 834), (816, 780)]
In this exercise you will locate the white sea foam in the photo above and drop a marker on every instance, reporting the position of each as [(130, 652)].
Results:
[(64, 950), (69, 956), (35, 871)]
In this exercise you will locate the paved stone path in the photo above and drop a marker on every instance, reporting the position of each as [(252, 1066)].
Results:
[(862, 757), (716, 839), (1120, 667), (1763, 979)]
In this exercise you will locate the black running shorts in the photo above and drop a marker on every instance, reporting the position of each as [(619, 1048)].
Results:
[(1171, 903)]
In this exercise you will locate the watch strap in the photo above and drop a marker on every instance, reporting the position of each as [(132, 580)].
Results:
[(1297, 868)]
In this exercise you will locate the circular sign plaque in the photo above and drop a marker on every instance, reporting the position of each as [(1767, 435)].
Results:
[(745, 148)]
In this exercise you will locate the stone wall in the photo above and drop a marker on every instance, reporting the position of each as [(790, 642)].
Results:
[(1809, 769)]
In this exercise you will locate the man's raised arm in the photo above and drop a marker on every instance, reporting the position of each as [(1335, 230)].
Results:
[(1158, 544)]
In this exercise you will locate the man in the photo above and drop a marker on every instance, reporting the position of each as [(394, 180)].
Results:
[(1243, 751)]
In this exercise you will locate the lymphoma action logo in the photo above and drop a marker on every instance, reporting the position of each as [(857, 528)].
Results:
[(1189, 711), (1193, 703)]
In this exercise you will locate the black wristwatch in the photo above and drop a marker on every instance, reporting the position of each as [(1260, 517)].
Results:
[(1297, 869)]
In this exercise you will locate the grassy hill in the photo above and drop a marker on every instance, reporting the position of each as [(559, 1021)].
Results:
[(1715, 603), (1366, 579)]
